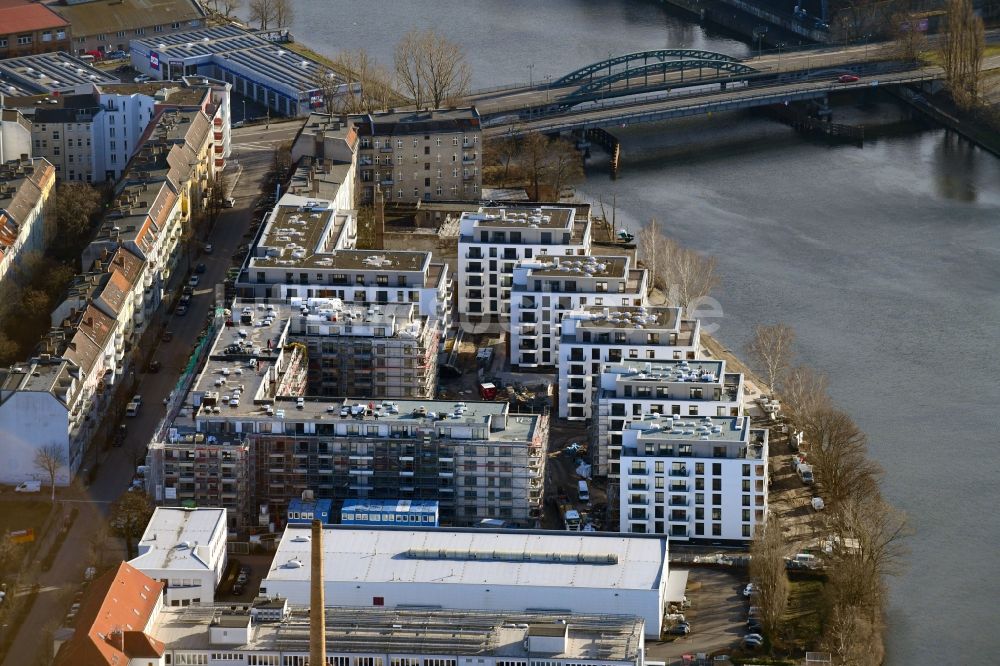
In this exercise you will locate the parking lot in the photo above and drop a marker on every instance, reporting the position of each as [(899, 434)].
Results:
[(717, 617), (258, 566)]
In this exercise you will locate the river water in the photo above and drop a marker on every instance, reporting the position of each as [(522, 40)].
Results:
[(885, 259)]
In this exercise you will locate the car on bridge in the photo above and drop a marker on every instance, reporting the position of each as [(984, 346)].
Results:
[(847, 78)]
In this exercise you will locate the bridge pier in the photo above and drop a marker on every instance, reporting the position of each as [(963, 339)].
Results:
[(609, 142)]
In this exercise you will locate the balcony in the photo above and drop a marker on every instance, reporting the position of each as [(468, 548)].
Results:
[(678, 487), (679, 471), (638, 500), (638, 485), (679, 501)]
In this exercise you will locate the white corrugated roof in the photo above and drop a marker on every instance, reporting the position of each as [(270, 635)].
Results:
[(501, 557), (177, 538)]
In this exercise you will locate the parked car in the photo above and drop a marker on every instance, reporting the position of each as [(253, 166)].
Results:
[(847, 78), (200, 268), (749, 590), (187, 290), (194, 280), (752, 641), (154, 366), (681, 629), (209, 248), (29, 487), (167, 336), (181, 310), (143, 78), (754, 626), (116, 55)]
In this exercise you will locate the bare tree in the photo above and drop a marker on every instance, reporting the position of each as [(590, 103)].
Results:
[(367, 84), (565, 165), (228, 7), (767, 572), (908, 40), (49, 459), (649, 241), (262, 12), (431, 69), (962, 52), (534, 162), (284, 13), (690, 275), (852, 638), (129, 517), (502, 151), (770, 349), (803, 394), (838, 452)]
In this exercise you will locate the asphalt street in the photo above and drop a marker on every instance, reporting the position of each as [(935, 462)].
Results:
[(253, 148)]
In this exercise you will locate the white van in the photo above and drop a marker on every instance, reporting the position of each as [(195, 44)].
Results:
[(583, 491), (29, 487), (87, 58)]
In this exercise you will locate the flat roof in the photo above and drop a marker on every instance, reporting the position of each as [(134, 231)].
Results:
[(665, 427), (232, 44), (417, 122), (43, 73), (700, 371), (521, 217), (437, 556), (178, 538), (398, 631), (557, 266), (627, 317)]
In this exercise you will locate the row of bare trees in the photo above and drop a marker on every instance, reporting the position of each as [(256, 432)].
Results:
[(685, 276), (268, 14), (962, 53), (542, 164), (867, 533)]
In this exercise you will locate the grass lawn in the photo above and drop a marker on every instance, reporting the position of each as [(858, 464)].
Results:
[(803, 621), (21, 514)]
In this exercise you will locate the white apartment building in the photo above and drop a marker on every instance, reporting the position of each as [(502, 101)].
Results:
[(185, 549), (596, 335), (305, 252), (546, 288), (493, 239), (630, 391), (694, 478), (272, 632)]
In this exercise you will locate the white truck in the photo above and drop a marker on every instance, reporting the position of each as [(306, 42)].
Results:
[(806, 474)]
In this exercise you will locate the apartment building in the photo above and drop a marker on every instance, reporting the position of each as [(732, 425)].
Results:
[(493, 239), (595, 335), (411, 156), (15, 135), (388, 351), (305, 252), (109, 25), (206, 470), (92, 136), (62, 131), (185, 549), (325, 150), (25, 187), (28, 27), (694, 478), (630, 391), (476, 458), (272, 632), (546, 288)]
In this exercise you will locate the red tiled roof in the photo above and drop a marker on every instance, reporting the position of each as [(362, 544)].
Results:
[(117, 604), (28, 18)]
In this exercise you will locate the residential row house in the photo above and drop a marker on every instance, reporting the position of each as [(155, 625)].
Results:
[(428, 155), (493, 240), (546, 288), (694, 478), (103, 26), (60, 396), (91, 137), (25, 187)]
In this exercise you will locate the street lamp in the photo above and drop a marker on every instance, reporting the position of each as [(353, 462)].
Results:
[(244, 109)]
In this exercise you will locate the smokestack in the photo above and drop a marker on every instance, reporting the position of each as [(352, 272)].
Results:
[(317, 605)]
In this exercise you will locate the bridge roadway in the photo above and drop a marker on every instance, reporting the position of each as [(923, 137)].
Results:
[(644, 110), (843, 59)]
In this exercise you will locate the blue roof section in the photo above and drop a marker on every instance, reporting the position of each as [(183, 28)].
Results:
[(399, 506), (322, 505)]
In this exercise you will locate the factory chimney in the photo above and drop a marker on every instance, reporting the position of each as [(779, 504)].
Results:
[(317, 602)]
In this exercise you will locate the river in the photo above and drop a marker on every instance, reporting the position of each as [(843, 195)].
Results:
[(885, 259)]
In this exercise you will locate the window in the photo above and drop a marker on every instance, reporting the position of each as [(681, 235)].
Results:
[(378, 601), (24, 39), (716, 529)]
